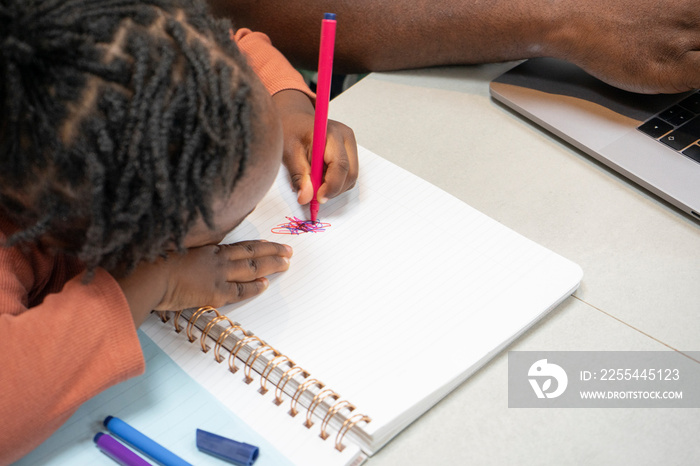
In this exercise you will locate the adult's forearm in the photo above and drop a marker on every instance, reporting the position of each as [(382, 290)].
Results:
[(638, 45), (377, 35)]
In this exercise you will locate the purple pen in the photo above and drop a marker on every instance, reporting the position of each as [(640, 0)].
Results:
[(118, 452)]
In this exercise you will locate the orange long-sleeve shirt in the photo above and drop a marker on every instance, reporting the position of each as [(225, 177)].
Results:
[(276, 73), (63, 341)]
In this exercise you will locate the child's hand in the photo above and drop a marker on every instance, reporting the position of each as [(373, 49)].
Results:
[(209, 275), (340, 158), (222, 274)]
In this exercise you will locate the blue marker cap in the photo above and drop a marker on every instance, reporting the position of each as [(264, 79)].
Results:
[(328, 15), (226, 449)]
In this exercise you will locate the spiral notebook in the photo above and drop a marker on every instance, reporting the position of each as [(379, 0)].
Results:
[(397, 297)]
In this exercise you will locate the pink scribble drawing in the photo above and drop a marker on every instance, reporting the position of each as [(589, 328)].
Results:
[(296, 226)]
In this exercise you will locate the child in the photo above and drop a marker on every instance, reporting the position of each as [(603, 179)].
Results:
[(133, 137)]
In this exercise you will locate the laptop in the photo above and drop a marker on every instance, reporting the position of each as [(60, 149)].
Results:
[(650, 139)]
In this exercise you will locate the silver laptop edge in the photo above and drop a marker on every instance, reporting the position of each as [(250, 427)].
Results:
[(601, 121)]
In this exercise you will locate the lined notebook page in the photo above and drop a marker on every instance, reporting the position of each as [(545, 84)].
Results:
[(405, 293)]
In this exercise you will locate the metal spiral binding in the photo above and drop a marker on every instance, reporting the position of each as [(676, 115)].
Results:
[(336, 408), (219, 341), (249, 364), (193, 320), (237, 347), (272, 365), (287, 376), (210, 325), (317, 400), (347, 425), (256, 347), (300, 390)]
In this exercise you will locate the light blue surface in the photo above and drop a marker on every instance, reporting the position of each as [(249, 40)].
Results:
[(164, 403)]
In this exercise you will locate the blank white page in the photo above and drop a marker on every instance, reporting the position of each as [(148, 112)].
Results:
[(405, 294)]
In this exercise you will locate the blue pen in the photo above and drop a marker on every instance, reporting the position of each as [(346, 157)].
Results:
[(142, 443)]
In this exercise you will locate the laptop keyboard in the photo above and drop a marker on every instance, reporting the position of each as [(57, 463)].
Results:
[(678, 127)]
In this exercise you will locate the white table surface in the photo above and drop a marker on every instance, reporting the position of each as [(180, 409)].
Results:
[(640, 257)]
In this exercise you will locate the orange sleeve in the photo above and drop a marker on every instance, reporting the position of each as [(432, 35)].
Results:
[(276, 73), (59, 353)]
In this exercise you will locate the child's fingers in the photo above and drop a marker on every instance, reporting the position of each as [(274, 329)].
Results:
[(248, 260), (342, 164), (253, 249), (244, 270), (296, 159), (238, 291)]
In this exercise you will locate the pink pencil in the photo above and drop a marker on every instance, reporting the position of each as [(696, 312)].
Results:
[(323, 94)]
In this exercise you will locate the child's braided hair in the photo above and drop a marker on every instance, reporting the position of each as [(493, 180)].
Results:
[(117, 123)]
